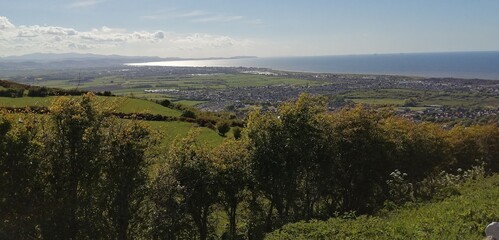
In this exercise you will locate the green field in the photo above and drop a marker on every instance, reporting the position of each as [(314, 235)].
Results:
[(168, 131), (397, 97), (122, 104), (189, 102), (133, 105), (136, 86), (460, 217), (26, 101)]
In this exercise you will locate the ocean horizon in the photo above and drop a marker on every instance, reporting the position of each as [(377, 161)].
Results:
[(470, 65)]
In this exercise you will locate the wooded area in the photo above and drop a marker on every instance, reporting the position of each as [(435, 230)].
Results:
[(82, 173)]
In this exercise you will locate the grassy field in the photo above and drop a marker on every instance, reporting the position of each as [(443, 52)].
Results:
[(122, 104), (133, 105), (189, 102), (25, 101), (168, 131), (423, 98), (136, 86), (460, 217)]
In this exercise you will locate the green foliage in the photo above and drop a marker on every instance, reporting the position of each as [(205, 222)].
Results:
[(411, 102), (165, 103), (237, 132), (418, 149), (72, 164), (473, 145), (195, 173), (20, 186), (168, 213), (72, 175), (126, 170), (463, 216), (79, 173), (13, 93), (188, 114), (223, 127), (232, 160)]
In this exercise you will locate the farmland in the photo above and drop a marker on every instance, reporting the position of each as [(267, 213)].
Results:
[(167, 131)]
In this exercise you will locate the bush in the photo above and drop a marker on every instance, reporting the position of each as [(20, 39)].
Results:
[(188, 114), (462, 217), (223, 127), (13, 93), (237, 132), (165, 103)]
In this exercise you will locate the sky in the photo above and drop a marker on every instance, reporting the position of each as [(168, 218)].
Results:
[(264, 28)]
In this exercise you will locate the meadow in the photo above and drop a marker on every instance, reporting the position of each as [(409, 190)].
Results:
[(422, 98), (167, 131), (136, 86), (121, 104)]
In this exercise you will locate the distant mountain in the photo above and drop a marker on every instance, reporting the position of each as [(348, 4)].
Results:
[(77, 60), (51, 57)]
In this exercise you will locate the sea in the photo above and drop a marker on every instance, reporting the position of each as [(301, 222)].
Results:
[(469, 65)]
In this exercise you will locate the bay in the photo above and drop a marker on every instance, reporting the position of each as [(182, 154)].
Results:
[(481, 65)]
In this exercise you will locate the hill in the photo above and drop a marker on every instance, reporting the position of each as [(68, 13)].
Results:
[(171, 127)]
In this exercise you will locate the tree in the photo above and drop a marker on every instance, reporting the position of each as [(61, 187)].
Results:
[(126, 169), (223, 127), (472, 145), (165, 103), (188, 114), (417, 149), (73, 164), (192, 168), (237, 133), (20, 188), (169, 217), (361, 160), (411, 102), (284, 156), (231, 160)]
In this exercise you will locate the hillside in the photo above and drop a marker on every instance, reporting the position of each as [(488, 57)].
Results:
[(123, 106), (460, 217), (305, 162)]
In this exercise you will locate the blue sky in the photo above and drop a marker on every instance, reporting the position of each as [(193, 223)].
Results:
[(207, 28)]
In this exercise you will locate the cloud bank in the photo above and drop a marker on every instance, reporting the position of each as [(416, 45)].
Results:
[(19, 40)]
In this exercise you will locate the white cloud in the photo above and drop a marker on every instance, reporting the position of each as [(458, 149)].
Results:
[(84, 3), (17, 40), (5, 23), (218, 18), (195, 13), (195, 16)]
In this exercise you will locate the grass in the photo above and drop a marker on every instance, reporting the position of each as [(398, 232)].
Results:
[(379, 101), (133, 105), (26, 101), (189, 103), (136, 86), (459, 217), (168, 131), (397, 97), (122, 104)]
